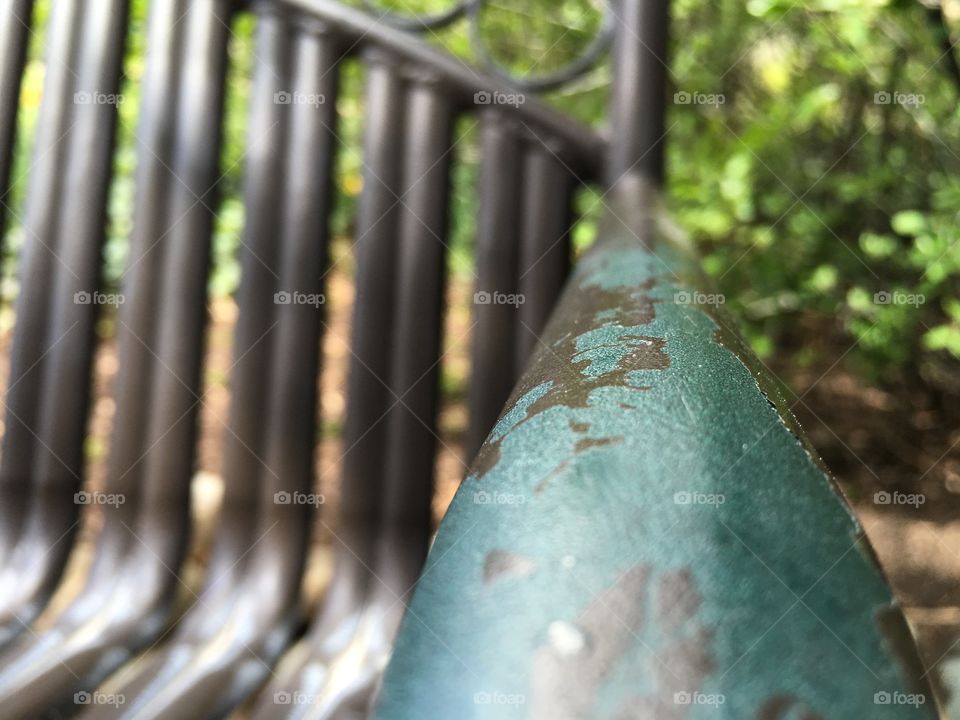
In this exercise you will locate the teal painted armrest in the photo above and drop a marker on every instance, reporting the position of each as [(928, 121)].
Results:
[(646, 534)]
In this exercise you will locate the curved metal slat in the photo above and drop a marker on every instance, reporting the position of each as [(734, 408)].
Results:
[(225, 645), (497, 250), (46, 403)]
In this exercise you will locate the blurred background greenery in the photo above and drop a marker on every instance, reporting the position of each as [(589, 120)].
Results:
[(806, 192)]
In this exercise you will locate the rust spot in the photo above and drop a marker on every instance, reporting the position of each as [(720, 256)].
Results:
[(587, 443), (559, 363), (499, 564)]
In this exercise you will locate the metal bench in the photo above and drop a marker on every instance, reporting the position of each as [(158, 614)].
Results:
[(644, 530)]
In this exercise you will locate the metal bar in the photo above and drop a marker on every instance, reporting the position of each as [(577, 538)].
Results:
[(53, 344), (495, 304), (638, 94), (15, 22), (368, 392), (544, 247), (646, 527), (335, 670)]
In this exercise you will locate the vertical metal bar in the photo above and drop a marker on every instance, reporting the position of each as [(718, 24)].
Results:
[(38, 261), (368, 396), (295, 363), (171, 434), (544, 245), (498, 239), (265, 182), (14, 31), (65, 224), (418, 319), (639, 90), (138, 316)]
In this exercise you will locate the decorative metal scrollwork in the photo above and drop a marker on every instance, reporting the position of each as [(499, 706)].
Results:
[(472, 10)]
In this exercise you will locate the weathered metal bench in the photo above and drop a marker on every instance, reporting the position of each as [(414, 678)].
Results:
[(645, 532)]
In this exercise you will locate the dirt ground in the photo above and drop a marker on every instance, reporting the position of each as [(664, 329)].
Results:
[(873, 440)]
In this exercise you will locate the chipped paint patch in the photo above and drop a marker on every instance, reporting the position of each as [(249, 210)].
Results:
[(500, 564)]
